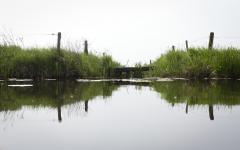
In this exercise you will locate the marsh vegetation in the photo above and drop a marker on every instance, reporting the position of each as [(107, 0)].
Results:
[(199, 63), (41, 63)]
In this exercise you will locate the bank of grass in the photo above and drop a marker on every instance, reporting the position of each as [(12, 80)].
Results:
[(197, 63), (40, 63)]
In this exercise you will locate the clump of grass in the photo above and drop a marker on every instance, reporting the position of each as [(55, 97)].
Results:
[(40, 63), (199, 63)]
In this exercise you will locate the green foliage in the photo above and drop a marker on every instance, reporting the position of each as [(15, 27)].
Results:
[(199, 63), (174, 63), (43, 63)]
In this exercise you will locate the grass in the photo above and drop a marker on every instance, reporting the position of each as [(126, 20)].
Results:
[(40, 63), (199, 63)]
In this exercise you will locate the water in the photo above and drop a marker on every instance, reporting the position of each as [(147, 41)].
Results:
[(107, 115)]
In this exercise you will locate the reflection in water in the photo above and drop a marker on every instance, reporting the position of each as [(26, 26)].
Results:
[(59, 113), (210, 93), (53, 94), (187, 108), (57, 94), (134, 117), (211, 116), (86, 106)]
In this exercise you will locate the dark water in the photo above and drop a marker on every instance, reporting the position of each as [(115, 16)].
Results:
[(117, 116)]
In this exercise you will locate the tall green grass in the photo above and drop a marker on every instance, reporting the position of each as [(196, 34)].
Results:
[(199, 63), (43, 63)]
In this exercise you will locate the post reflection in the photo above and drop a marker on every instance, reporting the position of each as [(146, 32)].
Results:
[(59, 113), (59, 99), (186, 110), (193, 94), (211, 115), (56, 95), (86, 106), (82, 92)]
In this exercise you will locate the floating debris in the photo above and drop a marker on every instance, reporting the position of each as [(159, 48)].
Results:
[(20, 85), (164, 80), (184, 79), (151, 78), (12, 79), (136, 80), (217, 78), (88, 80), (115, 80), (50, 79), (20, 80)]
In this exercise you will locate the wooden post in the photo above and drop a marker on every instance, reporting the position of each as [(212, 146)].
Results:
[(211, 38), (86, 47), (186, 45), (173, 48), (59, 42), (58, 53)]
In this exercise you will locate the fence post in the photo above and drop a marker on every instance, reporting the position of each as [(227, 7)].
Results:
[(186, 45), (59, 42), (173, 48), (58, 53), (211, 38), (86, 47)]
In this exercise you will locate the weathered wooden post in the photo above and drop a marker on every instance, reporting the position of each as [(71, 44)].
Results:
[(86, 47), (58, 53), (186, 44), (211, 38), (173, 48), (59, 42)]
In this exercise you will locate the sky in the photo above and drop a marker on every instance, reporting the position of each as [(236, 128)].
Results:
[(132, 31)]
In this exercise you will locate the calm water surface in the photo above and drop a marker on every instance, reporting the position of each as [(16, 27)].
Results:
[(167, 115)]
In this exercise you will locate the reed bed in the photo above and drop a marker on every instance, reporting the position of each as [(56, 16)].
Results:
[(41, 63), (199, 63)]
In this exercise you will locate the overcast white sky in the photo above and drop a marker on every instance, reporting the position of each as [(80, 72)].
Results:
[(130, 30)]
